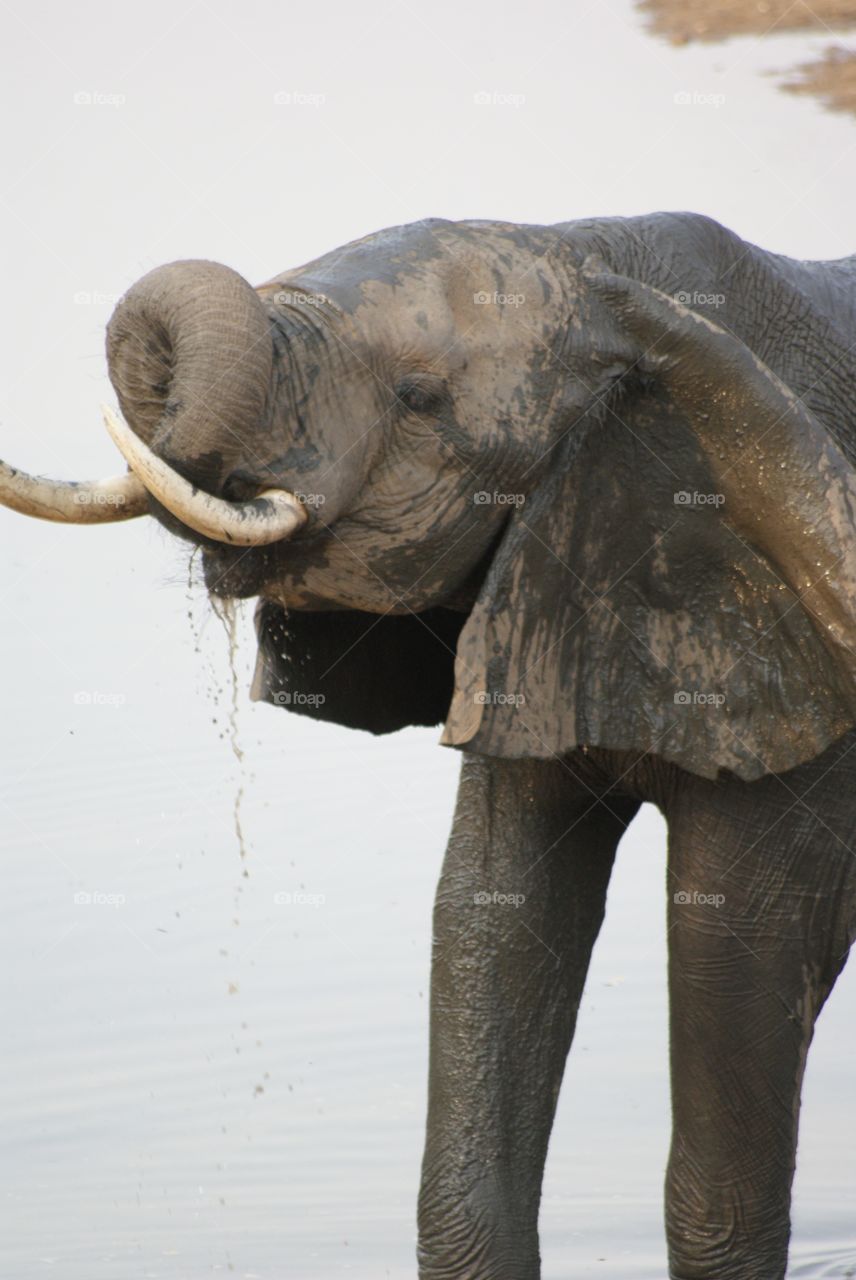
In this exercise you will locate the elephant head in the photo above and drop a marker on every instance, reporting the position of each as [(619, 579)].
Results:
[(495, 475)]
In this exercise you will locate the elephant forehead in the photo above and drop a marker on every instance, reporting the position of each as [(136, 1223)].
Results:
[(413, 312)]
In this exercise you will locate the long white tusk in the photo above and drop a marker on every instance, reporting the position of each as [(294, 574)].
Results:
[(71, 502), (273, 515)]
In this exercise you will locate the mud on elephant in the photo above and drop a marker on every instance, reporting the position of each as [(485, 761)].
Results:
[(585, 494)]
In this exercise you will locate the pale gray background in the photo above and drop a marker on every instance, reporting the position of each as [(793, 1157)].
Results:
[(200, 1080)]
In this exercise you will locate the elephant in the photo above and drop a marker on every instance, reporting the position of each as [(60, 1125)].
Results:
[(584, 494)]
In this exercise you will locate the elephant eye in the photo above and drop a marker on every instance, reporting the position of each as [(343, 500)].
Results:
[(421, 396)]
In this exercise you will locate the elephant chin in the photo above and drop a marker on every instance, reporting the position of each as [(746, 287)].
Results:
[(236, 572)]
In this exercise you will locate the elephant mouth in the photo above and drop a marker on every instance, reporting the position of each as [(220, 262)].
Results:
[(237, 573)]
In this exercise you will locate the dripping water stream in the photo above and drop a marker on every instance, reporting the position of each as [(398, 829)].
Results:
[(226, 611), (226, 703)]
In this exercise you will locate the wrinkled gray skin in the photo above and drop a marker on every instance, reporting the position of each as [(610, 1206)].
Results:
[(614, 644)]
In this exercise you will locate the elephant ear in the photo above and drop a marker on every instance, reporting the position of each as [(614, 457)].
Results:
[(366, 671), (683, 582)]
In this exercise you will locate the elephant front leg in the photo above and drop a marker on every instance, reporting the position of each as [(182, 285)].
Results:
[(519, 905), (761, 916)]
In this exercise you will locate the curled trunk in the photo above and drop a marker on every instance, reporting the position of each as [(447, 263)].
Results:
[(190, 354)]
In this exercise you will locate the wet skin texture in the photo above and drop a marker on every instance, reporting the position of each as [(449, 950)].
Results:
[(585, 494)]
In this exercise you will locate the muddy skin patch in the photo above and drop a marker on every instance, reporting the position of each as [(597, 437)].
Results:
[(831, 78)]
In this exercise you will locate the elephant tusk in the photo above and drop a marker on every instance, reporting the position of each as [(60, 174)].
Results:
[(275, 514), (71, 502)]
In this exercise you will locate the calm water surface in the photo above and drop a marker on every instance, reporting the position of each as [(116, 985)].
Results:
[(212, 1071)]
